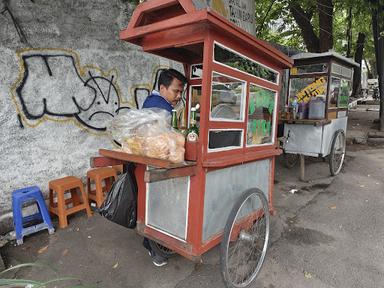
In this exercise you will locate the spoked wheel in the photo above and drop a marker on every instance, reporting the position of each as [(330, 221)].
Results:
[(245, 239), (161, 250), (290, 160), (337, 154)]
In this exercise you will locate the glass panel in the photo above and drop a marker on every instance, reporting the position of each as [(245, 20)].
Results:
[(347, 72), (305, 88), (261, 108), (341, 70), (314, 68), (227, 97), (334, 92), (195, 98), (196, 71), (345, 92), (224, 138), (246, 65), (336, 68)]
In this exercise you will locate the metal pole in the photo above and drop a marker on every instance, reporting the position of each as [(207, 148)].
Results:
[(302, 168)]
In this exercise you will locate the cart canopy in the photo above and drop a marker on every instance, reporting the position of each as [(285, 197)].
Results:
[(176, 29)]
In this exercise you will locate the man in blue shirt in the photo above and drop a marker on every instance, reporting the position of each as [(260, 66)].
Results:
[(171, 86)]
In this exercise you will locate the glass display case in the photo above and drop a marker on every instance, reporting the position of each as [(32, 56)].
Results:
[(323, 78), (234, 81), (315, 118)]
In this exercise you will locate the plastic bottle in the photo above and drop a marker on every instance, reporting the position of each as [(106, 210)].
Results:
[(193, 131), (316, 108), (295, 107), (174, 119)]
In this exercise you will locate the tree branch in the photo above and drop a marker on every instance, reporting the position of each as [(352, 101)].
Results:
[(260, 27), (303, 20)]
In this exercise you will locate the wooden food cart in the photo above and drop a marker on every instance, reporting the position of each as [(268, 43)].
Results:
[(225, 195), (321, 82)]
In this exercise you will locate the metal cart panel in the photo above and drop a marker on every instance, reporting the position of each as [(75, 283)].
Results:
[(167, 206), (329, 131), (303, 139), (223, 187)]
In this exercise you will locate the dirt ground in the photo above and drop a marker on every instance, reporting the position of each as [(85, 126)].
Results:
[(327, 232)]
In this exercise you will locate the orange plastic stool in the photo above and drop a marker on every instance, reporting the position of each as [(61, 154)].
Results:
[(62, 187), (96, 177)]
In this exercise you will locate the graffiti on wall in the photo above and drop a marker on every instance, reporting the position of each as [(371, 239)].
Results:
[(52, 85), (141, 91)]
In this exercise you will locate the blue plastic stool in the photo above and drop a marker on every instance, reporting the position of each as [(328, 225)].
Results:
[(21, 196)]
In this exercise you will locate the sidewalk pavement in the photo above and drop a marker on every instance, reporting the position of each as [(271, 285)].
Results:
[(360, 123), (327, 232)]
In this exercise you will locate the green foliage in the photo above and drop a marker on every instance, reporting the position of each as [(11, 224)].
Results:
[(11, 282), (276, 24), (361, 22)]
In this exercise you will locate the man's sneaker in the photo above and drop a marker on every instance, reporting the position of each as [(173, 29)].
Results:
[(157, 260)]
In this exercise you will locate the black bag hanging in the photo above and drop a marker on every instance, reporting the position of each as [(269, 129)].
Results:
[(120, 205)]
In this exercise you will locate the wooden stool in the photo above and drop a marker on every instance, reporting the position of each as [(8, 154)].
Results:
[(61, 187), (96, 176)]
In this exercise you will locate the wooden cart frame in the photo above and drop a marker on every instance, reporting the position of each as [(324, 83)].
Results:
[(185, 207)]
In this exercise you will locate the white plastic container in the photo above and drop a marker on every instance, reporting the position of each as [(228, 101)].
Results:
[(317, 108)]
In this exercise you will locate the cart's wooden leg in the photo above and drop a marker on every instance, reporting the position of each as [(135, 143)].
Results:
[(302, 168)]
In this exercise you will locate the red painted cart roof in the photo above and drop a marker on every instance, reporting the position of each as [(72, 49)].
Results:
[(164, 16)]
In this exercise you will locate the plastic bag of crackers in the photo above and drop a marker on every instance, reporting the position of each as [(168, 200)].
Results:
[(147, 132)]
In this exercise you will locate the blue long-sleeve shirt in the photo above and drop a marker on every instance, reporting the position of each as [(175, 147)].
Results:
[(155, 100)]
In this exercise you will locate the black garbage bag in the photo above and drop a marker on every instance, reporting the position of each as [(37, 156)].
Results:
[(120, 205)]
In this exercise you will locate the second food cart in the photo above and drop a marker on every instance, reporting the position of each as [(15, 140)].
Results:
[(320, 85)]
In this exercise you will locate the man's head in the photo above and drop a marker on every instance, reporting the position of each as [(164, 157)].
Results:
[(171, 85)]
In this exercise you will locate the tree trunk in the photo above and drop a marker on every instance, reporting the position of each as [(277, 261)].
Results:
[(378, 28), (380, 70), (325, 8), (358, 59), (375, 36), (349, 33), (303, 20)]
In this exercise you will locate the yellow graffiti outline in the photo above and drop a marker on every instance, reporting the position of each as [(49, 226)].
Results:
[(82, 71), (218, 6), (310, 88), (146, 85)]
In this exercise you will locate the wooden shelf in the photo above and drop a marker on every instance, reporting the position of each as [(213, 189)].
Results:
[(126, 157), (321, 122), (243, 158), (158, 174)]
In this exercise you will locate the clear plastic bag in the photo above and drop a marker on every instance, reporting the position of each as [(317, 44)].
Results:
[(147, 132)]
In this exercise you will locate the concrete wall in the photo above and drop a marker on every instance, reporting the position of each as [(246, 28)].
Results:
[(63, 74)]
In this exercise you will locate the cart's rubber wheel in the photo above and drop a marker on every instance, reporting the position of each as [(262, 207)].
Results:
[(290, 160), (244, 246), (337, 154), (161, 250)]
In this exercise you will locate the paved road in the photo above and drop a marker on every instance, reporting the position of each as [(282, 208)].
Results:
[(327, 234)]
